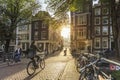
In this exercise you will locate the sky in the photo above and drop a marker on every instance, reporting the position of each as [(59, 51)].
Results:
[(43, 4)]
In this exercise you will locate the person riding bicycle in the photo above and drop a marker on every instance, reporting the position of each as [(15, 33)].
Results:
[(34, 49), (65, 52)]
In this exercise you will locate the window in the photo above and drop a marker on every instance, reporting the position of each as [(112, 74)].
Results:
[(105, 30), (97, 42), (105, 11), (23, 28), (36, 33), (97, 30), (23, 37), (97, 20), (105, 43), (81, 33), (43, 35), (36, 24), (105, 20), (44, 25), (97, 11), (81, 20)]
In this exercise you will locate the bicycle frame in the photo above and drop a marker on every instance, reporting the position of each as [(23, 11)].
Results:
[(96, 69)]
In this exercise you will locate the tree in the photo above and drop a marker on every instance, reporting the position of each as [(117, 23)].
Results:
[(61, 7), (12, 13)]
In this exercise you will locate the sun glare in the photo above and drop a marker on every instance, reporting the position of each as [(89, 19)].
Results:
[(65, 32)]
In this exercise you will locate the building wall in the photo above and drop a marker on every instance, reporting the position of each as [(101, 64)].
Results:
[(80, 29), (102, 25), (23, 35)]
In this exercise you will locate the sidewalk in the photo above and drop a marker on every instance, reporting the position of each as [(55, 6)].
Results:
[(70, 72), (16, 71)]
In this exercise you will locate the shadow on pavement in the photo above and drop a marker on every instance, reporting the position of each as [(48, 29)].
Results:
[(7, 72), (30, 77)]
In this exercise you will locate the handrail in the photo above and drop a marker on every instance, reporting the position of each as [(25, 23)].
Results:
[(108, 60)]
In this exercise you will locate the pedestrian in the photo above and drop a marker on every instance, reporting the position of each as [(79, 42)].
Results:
[(3, 47), (18, 52), (65, 52), (3, 51), (33, 53)]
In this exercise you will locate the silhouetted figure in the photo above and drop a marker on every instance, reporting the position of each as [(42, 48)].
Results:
[(65, 52)]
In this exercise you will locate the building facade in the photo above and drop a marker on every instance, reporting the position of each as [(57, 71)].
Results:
[(23, 35), (40, 32), (80, 29), (91, 29), (102, 35)]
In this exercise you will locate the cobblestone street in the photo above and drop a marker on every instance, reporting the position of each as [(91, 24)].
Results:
[(57, 68)]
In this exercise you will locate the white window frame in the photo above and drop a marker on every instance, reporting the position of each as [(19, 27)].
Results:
[(104, 32), (97, 11), (97, 40), (104, 9), (105, 43), (96, 20), (44, 25), (82, 19), (43, 34), (82, 33), (97, 28), (105, 18), (36, 24)]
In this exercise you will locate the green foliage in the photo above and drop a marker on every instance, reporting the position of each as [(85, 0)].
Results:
[(15, 11), (76, 5), (61, 7), (116, 74), (41, 15)]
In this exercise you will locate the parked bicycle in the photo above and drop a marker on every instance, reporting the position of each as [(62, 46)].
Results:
[(31, 68), (80, 62), (93, 72)]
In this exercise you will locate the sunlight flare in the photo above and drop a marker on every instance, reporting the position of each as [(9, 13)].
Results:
[(65, 32)]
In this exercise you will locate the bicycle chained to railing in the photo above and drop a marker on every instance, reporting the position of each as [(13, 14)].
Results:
[(93, 72), (32, 66), (82, 60)]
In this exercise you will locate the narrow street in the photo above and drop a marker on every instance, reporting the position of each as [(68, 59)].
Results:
[(57, 67)]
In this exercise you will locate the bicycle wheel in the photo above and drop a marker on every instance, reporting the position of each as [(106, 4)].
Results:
[(83, 76), (42, 64), (78, 66), (87, 76), (31, 68)]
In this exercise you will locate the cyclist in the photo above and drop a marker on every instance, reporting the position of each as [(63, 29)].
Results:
[(34, 50), (65, 52)]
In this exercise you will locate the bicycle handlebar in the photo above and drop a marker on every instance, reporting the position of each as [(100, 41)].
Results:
[(88, 65)]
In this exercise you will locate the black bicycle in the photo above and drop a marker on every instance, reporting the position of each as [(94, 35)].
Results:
[(93, 72), (31, 68)]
